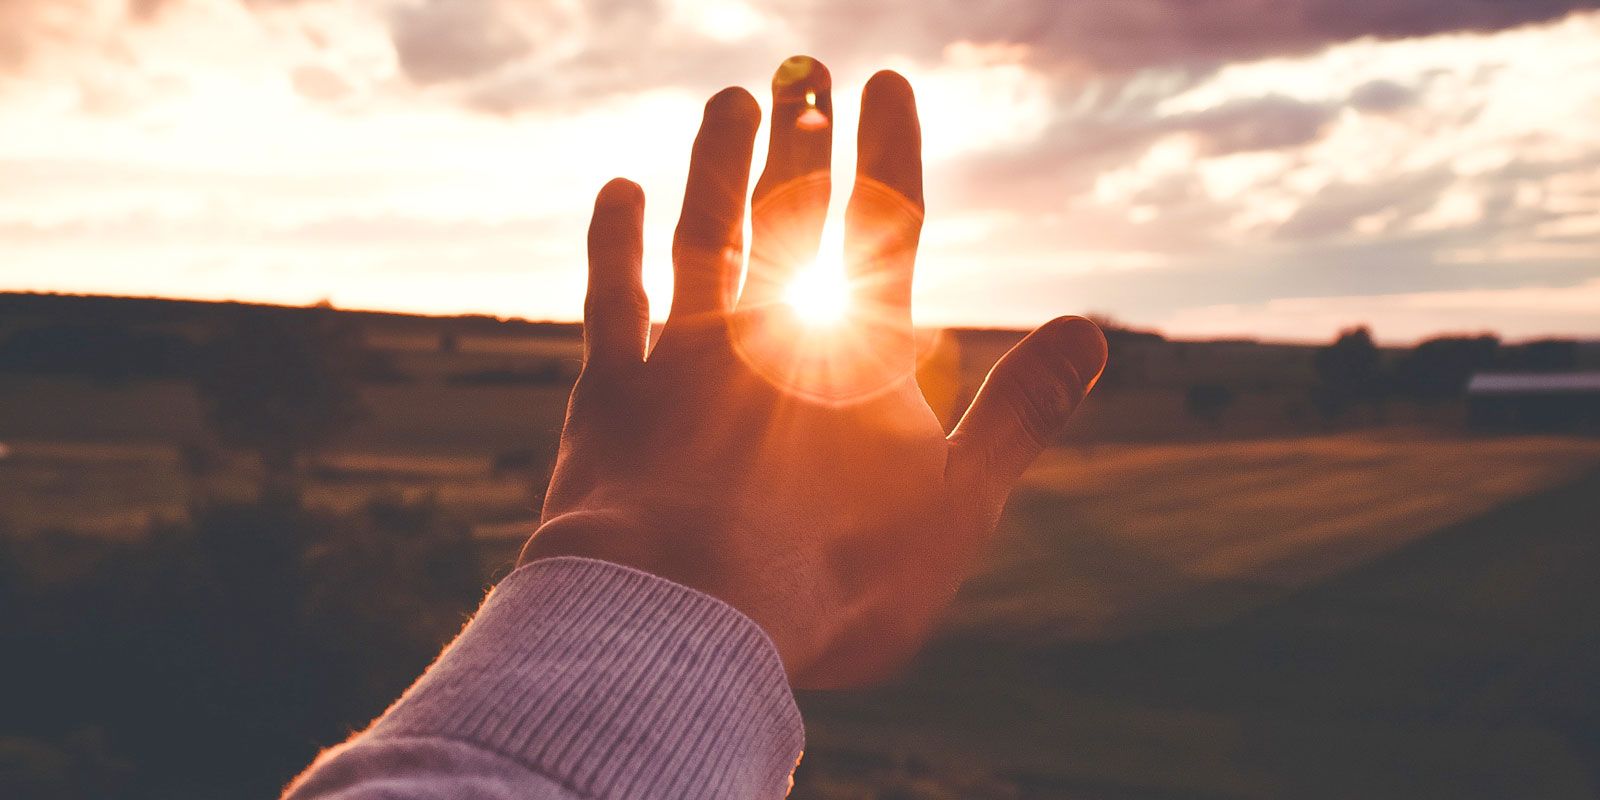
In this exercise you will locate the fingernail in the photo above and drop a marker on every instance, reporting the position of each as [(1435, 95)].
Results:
[(798, 73)]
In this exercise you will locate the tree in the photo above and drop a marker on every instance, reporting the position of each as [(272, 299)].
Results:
[(1540, 355), (1130, 350), (281, 383), (1349, 372), (1438, 369)]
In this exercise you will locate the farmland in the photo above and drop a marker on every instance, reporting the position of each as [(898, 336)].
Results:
[(1208, 619), (1331, 642), (1260, 603)]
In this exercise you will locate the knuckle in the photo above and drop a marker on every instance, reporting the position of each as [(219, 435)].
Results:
[(1040, 403)]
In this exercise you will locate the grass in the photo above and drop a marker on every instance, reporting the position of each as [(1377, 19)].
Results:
[(1120, 539), (1453, 662), (106, 460), (1372, 615)]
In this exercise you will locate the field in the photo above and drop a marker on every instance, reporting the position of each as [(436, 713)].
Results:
[(1328, 616), (1299, 630), (1252, 606)]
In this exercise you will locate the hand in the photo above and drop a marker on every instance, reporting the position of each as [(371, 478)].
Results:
[(793, 470)]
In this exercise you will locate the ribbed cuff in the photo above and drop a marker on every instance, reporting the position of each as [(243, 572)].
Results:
[(615, 683)]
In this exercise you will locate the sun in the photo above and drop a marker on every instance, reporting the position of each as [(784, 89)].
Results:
[(819, 293)]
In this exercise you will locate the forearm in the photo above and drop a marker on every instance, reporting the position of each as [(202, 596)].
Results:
[(580, 678)]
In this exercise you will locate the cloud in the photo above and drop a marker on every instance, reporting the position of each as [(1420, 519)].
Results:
[(1334, 209), (1267, 123), (28, 25), (320, 83), (1129, 35), (1517, 313), (505, 56), (1382, 97), (449, 40), (1111, 125)]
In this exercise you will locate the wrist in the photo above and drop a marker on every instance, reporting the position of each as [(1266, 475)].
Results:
[(679, 556), (601, 534)]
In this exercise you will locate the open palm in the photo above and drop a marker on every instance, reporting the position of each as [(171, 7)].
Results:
[(788, 467)]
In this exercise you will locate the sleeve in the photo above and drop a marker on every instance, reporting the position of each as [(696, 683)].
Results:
[(582, 678)]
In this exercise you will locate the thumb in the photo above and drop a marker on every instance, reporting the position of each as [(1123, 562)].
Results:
[(1026, 399)]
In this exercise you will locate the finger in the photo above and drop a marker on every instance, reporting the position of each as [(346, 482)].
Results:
[(707, 251), (616, 312), (791, 198), (1024, 402), (884, 218)]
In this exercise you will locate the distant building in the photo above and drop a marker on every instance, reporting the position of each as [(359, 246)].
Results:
[(1535, 400)]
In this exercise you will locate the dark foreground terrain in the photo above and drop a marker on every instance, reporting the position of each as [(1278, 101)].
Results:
[(1460, 665), (1224, 581)]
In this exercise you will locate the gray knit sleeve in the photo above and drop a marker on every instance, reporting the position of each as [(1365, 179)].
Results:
[(582, 678)]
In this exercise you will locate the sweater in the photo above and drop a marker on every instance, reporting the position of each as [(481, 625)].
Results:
[(580, 678)]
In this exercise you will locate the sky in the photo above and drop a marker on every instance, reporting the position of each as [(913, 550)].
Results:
[(1278, 169)]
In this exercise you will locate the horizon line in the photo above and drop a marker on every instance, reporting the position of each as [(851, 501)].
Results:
[(1109, 321)]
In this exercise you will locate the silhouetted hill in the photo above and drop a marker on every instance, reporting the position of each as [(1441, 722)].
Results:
[(156, 312)]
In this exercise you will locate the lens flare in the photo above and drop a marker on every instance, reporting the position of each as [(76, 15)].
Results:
[(812, 119), (819, 294), (836, 330)]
